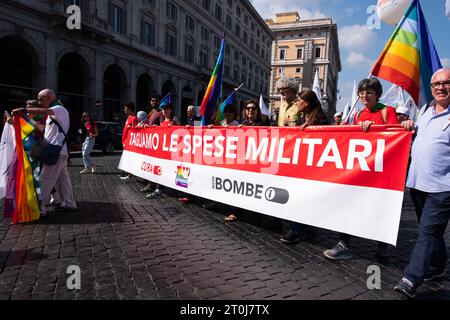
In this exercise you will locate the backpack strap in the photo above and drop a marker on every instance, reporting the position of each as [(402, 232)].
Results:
[(53, 120)]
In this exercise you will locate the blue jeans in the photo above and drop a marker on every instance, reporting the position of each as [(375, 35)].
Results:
[(88, 145), (430, 251)]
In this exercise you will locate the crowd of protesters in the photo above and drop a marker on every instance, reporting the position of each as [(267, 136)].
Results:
[(428, 178), (429, 183)]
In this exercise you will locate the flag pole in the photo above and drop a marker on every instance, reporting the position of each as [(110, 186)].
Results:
[(240, 86)]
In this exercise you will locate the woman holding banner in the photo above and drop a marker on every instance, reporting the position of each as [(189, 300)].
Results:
[(310, 113), (370, 92), (251, 116)]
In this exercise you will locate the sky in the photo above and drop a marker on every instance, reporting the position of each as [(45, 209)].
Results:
[(360, 46)]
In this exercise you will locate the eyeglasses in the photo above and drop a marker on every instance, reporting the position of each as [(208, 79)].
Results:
[(250, 108), (445, 84)]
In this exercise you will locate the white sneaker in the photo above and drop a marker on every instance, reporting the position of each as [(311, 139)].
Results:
[(125, 178), (85, 171), (53, 201), (93, 170)]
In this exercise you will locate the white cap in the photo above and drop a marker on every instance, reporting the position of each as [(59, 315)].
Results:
[(402, 110), (337, 114), (141, 115)]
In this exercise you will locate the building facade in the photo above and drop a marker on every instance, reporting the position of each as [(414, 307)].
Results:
[(300, 48), (129, 50)]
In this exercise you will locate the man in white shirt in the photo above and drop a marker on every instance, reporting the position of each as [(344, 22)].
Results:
[(56, 176)]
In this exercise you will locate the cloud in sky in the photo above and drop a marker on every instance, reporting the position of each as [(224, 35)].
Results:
[(356, 60), (352, 10), (356, 37), (447, 8), (445, 62)]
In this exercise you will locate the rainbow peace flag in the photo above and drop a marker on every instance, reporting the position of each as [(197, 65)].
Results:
[(213, 91), (27, 175), (410, 58)]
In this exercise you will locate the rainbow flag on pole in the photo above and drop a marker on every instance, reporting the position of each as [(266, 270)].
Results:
[(213, 91), (410, 58), (27, 175)]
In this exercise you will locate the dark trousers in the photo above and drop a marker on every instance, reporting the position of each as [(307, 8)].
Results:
[(430, 251)]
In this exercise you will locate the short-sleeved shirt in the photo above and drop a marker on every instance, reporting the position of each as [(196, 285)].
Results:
[(430, 154), (90, 127), (377, 116), (289, 114), (132, 121), (52, 133)]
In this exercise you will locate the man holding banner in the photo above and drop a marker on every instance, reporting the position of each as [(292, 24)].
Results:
[(429, 183)]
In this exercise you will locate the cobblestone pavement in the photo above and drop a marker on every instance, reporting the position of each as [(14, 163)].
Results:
[(130, 247)]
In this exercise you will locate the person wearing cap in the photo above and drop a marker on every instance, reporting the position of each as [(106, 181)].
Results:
[(402, 113), (288, 115), (337, 118)]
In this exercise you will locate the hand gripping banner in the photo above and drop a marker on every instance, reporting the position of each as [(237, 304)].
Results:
[(333, 177)]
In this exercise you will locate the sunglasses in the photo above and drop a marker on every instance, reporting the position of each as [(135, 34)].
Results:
[(250, 108)]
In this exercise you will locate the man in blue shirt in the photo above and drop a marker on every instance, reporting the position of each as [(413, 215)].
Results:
[(429, 183)]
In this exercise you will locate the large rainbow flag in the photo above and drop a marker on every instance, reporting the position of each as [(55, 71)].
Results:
[(214, 89), (27, 177), (410, 58)]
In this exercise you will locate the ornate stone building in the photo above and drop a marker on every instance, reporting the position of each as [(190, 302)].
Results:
[(129, 50), (300, 48)]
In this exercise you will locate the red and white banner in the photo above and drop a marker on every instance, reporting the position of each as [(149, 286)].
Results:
[(333, 177)]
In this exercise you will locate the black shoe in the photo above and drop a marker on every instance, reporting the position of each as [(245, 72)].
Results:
[(290, 237), (434, 274), (384, 250), (406, 287)]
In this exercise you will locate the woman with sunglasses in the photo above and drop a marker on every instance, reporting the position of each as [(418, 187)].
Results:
[(251, 116)]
